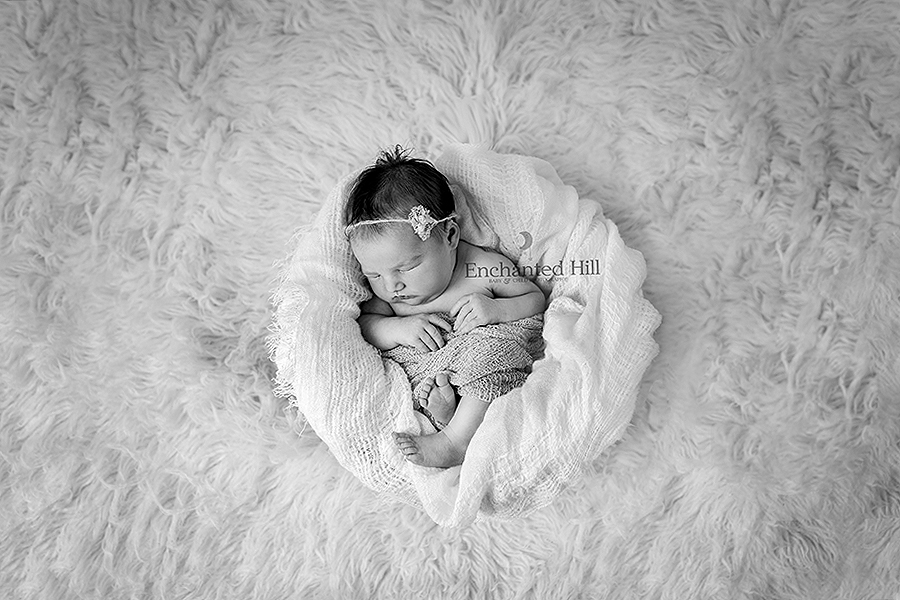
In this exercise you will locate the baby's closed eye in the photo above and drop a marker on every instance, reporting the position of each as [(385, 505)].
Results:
[(407, 268), (377, 276)]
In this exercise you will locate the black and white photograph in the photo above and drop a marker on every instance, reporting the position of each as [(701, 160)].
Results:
[(450, 299)]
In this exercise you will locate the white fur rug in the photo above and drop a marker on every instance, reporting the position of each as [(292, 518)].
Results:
[(156, 159)]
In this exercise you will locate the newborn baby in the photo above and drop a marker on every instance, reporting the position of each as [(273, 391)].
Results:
[(402, 229)]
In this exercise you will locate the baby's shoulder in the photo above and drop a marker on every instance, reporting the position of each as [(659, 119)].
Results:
[(483, 256)]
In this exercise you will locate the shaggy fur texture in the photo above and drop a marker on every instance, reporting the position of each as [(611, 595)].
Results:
[(157, 157)]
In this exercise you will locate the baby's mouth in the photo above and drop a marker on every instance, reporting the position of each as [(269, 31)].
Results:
[(400, 298)]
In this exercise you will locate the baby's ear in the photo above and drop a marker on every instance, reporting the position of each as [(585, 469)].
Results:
[(451, 233)]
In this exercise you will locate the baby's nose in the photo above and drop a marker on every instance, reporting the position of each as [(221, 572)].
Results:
[(395, 284)]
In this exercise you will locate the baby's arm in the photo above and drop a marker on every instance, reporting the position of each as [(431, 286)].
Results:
[(375, 323), (513, 299), (384, 330)]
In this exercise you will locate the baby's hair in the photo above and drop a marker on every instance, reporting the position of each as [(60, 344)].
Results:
[(393, 185)]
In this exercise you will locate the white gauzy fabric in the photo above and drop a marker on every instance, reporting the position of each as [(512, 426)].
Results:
[(579, 398)]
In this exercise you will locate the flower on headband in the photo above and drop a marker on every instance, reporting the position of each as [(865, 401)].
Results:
[(422, 222)]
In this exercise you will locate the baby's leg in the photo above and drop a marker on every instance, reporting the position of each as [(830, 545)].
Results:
[(446, 448)]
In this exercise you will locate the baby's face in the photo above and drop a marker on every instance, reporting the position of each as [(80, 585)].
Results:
[(401, 268)]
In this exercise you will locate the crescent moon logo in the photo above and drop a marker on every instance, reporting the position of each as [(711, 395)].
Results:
[(526, 240)]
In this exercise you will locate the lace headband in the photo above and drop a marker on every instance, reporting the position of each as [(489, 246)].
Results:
[(419, 217)]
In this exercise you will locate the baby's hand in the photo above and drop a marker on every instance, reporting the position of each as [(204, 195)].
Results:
[(421, 331), (473, 310)]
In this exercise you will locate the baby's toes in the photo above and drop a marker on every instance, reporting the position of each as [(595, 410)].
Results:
[(423, 390), (406, 443)]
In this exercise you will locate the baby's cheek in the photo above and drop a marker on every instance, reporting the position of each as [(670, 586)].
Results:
[(376, 289)]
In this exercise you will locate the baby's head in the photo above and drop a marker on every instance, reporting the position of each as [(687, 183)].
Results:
[(400, 222)]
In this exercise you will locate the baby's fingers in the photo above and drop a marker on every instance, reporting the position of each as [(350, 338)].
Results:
[(440, 322), (427, 342), (465, 323), (472, 320), (435, 339), (459, 304), (464, 315)]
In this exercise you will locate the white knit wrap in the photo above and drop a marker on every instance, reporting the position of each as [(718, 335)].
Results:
[(578, 399)]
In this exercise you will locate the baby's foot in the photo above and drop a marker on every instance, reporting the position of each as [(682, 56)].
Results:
[(437, 396), (435, 450)]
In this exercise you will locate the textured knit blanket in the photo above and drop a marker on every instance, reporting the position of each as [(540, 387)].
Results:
[(484, 363), (535, 439)]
